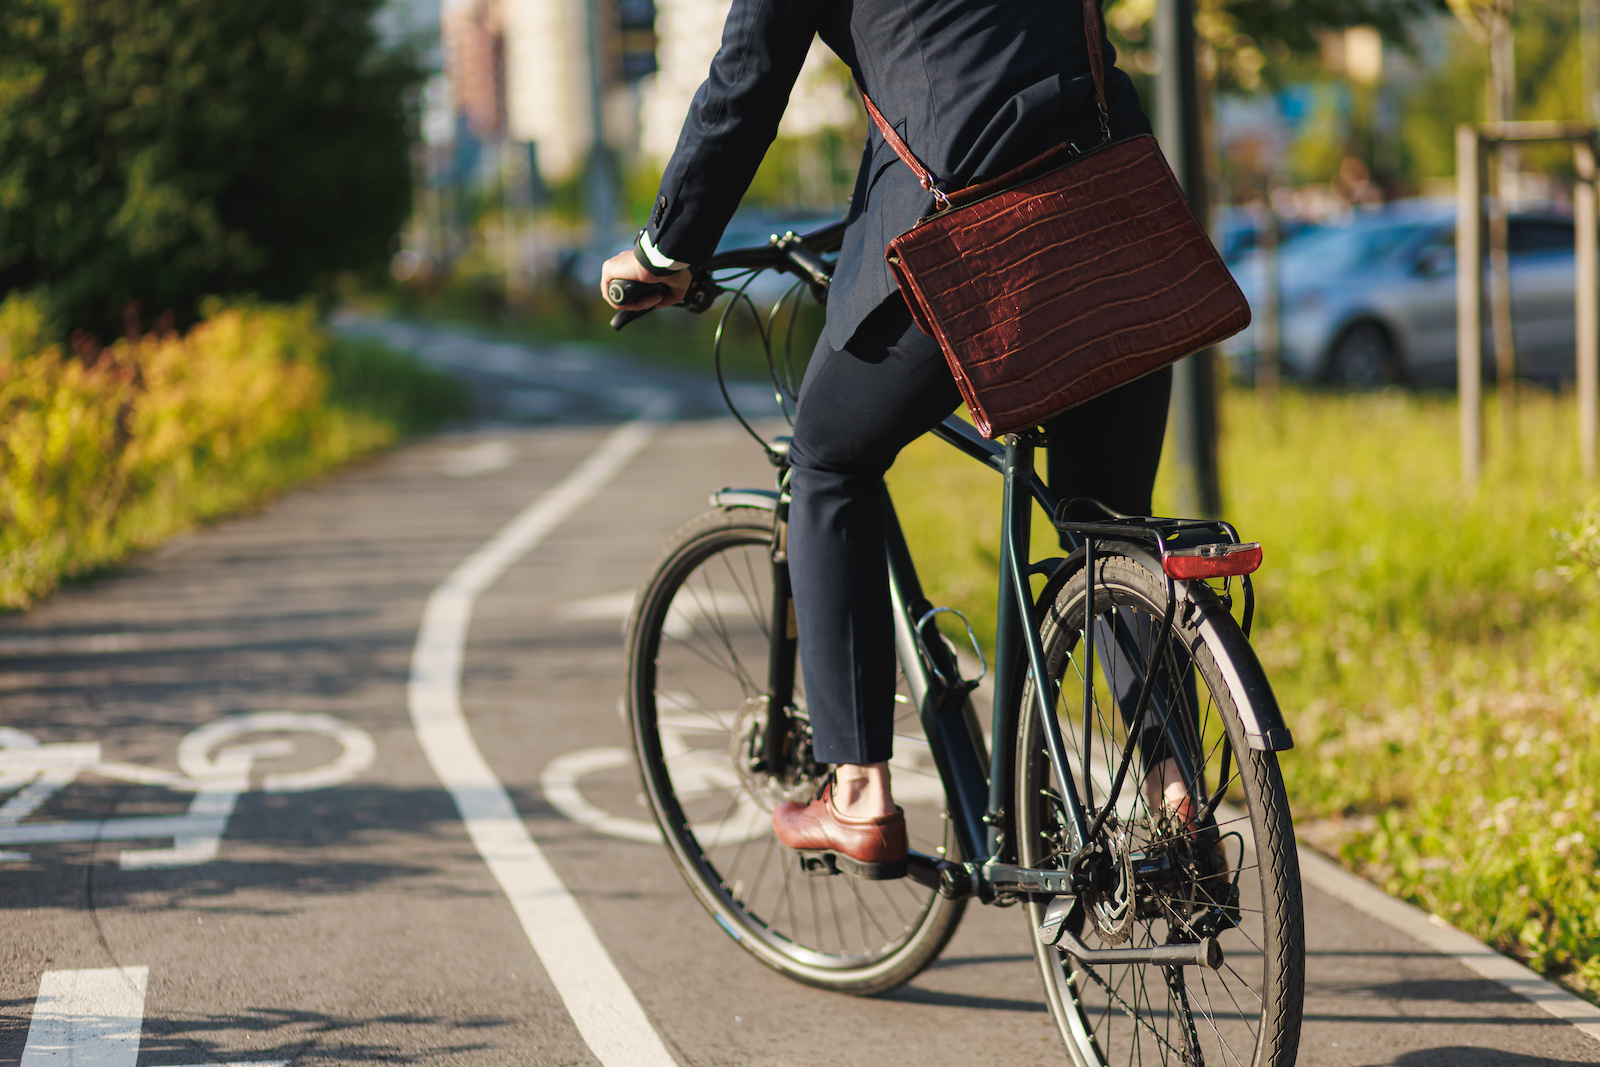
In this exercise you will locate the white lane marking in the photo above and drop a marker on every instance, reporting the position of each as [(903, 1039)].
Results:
[(607, 607), (37, 772), (95, 1018), (481, 458), (602, 1006), (1440, 936), (88, 1018), (31, 644)]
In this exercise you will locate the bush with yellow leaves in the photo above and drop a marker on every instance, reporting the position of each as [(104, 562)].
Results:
[(106, 451)]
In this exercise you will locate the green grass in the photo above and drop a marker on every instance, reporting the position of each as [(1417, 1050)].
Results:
[(1436, 650)]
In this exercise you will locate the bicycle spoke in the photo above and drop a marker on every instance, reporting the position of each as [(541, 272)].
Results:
[(1136, 1015)]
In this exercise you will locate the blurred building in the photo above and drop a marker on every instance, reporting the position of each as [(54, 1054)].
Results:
[(519, 70)]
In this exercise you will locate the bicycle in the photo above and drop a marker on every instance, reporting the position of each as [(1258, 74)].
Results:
[(1173, 934)]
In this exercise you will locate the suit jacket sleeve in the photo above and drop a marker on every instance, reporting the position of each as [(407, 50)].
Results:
[(732, 121)]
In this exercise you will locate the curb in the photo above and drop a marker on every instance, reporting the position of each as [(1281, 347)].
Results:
[(1432, 931)]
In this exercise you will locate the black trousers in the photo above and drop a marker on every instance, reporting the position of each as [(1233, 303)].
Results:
[(858, 408)]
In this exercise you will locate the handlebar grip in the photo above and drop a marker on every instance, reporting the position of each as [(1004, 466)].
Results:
[(621, 291)]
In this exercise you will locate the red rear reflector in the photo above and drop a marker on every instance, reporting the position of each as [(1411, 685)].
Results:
[(1213, 561)]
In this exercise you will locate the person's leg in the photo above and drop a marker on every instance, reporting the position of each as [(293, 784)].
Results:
[(1109, 450), (858, 408)]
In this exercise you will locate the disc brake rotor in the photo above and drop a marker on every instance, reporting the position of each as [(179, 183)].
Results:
[(1111, 910), (797, 780)]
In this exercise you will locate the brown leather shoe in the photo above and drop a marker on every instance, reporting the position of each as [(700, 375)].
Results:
[(869, 848)]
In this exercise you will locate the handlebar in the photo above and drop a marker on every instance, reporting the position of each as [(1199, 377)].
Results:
[(800, 256), (622, 291)]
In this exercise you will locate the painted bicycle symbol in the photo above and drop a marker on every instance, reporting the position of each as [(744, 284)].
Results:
[(698, 772), (215, 763)]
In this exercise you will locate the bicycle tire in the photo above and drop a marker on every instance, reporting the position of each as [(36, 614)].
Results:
[(697, 640), (1134, 1013)]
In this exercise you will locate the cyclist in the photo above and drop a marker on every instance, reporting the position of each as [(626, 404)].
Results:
[(975, 87)]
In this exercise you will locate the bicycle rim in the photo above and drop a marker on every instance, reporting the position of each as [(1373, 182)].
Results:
[(1233, 877), (698, 657)]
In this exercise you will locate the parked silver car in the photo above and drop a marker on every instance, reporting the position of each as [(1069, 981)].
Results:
[(1372, 301)]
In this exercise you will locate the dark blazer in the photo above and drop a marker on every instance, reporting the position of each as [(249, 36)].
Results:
[(975, 87)]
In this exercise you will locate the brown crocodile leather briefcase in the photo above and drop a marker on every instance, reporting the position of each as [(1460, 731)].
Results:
[(1071, 275)]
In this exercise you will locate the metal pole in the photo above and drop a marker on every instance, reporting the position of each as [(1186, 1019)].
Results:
[(1588, 305), (1469, 299), (1502, 176), (1194, 398), (602, 187)]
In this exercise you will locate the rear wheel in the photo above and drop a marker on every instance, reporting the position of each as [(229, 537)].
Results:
[(698, 652), (1229, 873)]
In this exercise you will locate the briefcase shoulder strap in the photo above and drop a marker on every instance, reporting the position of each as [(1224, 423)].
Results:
[(1097, 71), (1097, 64), (903, 150)]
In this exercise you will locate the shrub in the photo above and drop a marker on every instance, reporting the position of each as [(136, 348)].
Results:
[(105, 452)]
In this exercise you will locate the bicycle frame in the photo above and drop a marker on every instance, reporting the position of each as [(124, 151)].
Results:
[(958, 751), (977, 783)]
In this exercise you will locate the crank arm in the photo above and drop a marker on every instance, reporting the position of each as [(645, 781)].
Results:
[(1009, 878), (957, 880)]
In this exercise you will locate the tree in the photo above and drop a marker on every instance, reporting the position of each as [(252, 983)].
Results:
[(1251, 42), (155, 151)]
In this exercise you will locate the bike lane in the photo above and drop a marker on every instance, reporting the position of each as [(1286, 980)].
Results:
[(349, 922), (358, 921), (543, 689)]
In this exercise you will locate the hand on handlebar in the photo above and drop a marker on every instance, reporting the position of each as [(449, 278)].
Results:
[(622, 267)]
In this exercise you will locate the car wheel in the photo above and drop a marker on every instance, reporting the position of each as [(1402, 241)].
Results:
[(1364, 358)]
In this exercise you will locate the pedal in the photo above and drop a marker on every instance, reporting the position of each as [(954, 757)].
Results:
[(822, 863), (819, 864)]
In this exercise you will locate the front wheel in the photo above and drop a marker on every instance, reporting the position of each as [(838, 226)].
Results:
[(699, 651), (1168, 873)]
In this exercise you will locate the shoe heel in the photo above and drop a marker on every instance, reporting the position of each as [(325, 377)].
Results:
[(873, 872)]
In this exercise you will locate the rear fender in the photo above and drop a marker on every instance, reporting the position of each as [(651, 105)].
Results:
[(1200, 609), (765, 499)]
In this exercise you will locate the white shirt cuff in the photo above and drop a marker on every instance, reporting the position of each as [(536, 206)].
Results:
[(654, 255)]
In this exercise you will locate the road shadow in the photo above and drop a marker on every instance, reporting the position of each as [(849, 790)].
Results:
[(1467, 1056), (299, 1037), (342, 840)]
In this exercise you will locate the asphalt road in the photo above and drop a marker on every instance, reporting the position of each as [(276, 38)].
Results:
[(228, 843)]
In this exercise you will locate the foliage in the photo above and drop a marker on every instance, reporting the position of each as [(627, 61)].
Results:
[(371, 379), (1252, 42), (1439, 670), (152, 151), (1451, 92), (103, 453)]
